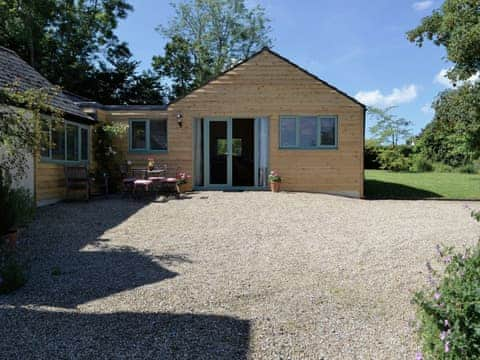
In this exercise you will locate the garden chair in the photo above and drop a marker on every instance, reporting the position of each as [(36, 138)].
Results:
[(77, 178), (127, 180), (140, 183)]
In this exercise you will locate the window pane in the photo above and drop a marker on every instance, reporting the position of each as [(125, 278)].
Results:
[(288, 133), (308, 131), (328, 131), (45, 140), (138, 135), (58, 143), (158, 135), (237, 147), (84, 144), (221, 147), (72, 143)]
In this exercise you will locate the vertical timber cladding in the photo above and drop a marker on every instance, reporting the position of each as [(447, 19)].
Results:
[(269, 85)]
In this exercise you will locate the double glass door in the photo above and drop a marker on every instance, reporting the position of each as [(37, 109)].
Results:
[(229, 152)]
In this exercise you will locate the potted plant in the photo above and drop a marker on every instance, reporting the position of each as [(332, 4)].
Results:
[(151, 164), (275, 181), (182, 181)]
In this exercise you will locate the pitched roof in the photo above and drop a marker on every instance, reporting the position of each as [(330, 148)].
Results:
[(13, 70), (267, 49)]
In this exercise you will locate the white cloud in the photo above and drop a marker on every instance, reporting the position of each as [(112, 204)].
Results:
[(427, 109), (397, 96), (422, 5), (442, 79)]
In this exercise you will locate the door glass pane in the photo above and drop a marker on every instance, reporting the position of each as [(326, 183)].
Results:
[(328, 130), (58, 142), (243, 163), (72, 143), (218, 152), (139, 135), (84, 144), (288, 132), (308, 131), (158, 135)]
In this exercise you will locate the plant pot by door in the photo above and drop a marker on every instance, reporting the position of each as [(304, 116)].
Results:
[(181, 188), (275, 186), (12, 238)]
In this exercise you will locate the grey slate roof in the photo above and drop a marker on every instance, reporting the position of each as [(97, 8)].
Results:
[(15, 71)]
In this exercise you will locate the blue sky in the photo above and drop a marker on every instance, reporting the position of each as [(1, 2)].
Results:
[(358, 46)]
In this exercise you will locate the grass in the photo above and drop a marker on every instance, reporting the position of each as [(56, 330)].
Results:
[(381, 184)]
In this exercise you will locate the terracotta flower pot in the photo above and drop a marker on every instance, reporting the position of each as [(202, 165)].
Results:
[(275, 186), (12, 238), (181, 188)]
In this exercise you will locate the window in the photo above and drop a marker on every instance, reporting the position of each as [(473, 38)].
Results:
[(66, 142), (308, 132), (148, 135)]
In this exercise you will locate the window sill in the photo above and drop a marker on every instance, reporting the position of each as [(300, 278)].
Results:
[(309, 148), (64, 162), (146, 152)]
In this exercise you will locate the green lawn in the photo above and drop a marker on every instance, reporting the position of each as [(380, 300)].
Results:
[(381, 184)]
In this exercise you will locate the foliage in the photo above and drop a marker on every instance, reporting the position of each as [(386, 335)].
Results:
[(407, 185), (449, 310), (371, 154), (389, 128), (205, 37), (73, 44), (455, 26), (453, 137), (12, 273), (21, 114), (274, 176), (420, 164), (107, 157), (7, 216), (394, 159), (182, 178)]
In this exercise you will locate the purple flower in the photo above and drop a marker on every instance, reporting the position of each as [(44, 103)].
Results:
[(436, 296), (419, 356), (447, 347), (446, 323), (439, 250), (448, 260), (443, 335)]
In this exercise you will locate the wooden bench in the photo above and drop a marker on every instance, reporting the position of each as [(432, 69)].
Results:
[(76, 178)]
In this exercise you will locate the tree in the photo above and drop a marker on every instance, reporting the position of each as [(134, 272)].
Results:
[(455, 26), (207, 37), (389, 128), (73, 44), (453, 137)]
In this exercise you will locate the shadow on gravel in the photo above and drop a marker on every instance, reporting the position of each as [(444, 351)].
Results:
[(71, 262), (29, 334)]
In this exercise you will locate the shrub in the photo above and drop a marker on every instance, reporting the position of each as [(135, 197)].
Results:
[(371, 155), (12, 276), (467, 169), (23, 205), (442, 168), (420, 164), (449, 311), (393, 159)]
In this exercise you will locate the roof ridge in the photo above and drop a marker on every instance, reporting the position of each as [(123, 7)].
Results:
[(268, 49), (8, 50)]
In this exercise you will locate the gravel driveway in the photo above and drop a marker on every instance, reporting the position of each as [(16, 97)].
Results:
[(227, 275)]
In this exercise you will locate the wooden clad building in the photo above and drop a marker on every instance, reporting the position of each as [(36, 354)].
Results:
[(264, 114), (69, 142)]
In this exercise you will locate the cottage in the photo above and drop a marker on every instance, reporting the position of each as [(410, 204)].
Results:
[(264, 113), (69, 142)]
